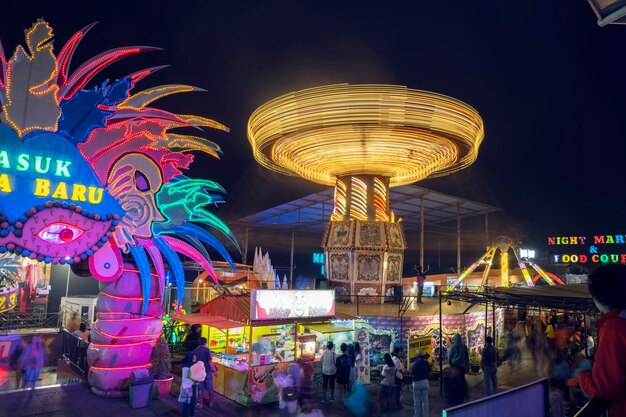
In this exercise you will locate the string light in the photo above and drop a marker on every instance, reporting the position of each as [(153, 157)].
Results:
[(380, 200), (358, 197), (339, 210)]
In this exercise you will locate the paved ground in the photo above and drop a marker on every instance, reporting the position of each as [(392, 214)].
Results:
[(76, 400)]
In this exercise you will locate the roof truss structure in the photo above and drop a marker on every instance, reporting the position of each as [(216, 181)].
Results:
[(312, 213)]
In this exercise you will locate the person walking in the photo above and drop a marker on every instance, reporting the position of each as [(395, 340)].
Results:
[(420, 372), (488, 363), (606, 378), (329, 371), (398, 355), (388, 384), (188, 387), (31, 361), (343, 364), (353, 374), (203, 353), (289, 393)]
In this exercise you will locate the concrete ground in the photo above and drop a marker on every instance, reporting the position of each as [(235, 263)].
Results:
[(77, 400)]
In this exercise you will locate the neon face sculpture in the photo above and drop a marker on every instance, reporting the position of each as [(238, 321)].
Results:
[(90, 175)]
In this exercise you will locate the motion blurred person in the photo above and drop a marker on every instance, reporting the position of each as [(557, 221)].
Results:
[(329, 371), (31, 361), (398, 357), (388, 384), (607, 378), (488, 363), (203, 353), (420, 372)]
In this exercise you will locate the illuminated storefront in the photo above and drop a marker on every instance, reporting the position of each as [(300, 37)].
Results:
[(255, 337)]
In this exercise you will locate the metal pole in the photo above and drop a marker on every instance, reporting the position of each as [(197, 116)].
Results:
[(585, 325), (422, 234), (493, 324), (67, 281), (245, 247), (458, 240), (487, 229), (441, 341), (486, 316), (291, 263)]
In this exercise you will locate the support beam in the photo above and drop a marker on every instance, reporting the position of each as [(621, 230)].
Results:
[(487, 243), (458, 239), (468, 271), (441, 341), (244, 258), (422, 234), (291, 261)]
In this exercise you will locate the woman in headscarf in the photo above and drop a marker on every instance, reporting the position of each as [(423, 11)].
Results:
[(188, 387)]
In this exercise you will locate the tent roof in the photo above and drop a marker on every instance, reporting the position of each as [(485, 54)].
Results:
[(575, 297), (312, 213)]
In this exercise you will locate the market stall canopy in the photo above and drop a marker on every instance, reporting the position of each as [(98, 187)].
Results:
[(575, 297), (236, 308), (327, 328), (213, 321)]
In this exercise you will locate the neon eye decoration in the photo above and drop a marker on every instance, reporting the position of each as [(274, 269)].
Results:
[(92, 172), (60, 233)]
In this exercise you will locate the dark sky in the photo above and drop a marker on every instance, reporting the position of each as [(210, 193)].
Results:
[(546, 79)]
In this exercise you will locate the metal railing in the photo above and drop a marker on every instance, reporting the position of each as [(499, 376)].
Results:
[(12, 321), (74, 351)]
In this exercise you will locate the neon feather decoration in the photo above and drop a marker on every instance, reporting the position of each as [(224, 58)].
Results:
[(95, 173)]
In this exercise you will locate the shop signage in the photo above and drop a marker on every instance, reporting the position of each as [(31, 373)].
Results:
[(425, 343), (588, 249), (48, 169), (362, 335), (291, 304), (318, 259), (527, 253)]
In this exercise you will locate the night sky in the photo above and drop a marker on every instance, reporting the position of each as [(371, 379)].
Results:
[(546, 79)]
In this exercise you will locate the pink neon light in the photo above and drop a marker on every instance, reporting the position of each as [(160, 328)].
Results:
[(107, 368), (112, 336), (129, 319), (93, 66), (119, 297), (157, 261), (191, 252), (122, 344)]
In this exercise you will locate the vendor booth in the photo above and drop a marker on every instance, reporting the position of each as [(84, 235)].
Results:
[(255, 337)]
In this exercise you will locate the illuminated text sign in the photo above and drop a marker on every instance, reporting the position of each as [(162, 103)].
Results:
[(589, 249)]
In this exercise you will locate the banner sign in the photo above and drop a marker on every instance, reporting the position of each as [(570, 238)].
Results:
[(425, 343), (588, 249), (362, 335), (48, 168), (291, 304)]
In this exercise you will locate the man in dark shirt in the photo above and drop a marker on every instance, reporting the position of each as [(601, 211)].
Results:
[(419, 374), (203, 353), (488, 362), (343, 363)]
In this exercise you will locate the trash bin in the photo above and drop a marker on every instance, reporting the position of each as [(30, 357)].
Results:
[(140, 389)]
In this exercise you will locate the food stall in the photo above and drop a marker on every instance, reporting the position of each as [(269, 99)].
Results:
[(255, 337)]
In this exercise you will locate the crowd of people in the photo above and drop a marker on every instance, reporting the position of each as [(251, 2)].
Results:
[(578, 365)]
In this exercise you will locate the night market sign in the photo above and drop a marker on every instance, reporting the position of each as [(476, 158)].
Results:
[(589, 249)]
